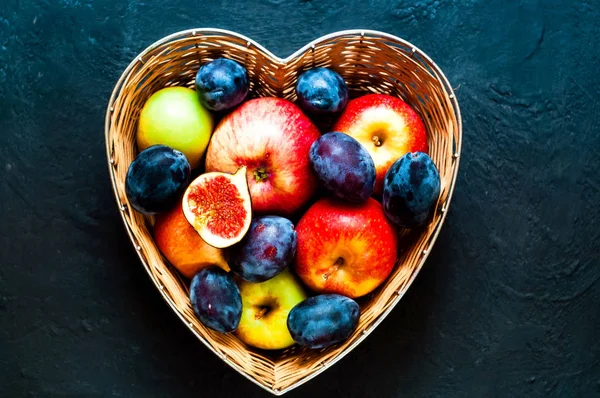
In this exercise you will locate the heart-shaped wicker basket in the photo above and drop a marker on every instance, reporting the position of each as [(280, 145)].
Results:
[(369, 61)]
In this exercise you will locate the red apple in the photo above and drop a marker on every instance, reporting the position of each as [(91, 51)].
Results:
[(345, 248), (387, 127), (272, 138)]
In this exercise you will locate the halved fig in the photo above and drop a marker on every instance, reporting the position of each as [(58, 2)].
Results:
[(218, 206)]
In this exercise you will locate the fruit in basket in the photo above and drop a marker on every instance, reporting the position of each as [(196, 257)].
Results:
[(216, 299), (386, 126), (156, 178), (272, 138), (322, 91), (182, 246), (411, 190), (345, 248), (266, 250), (175, 117), (323, 320), (218, 206), (266, 306), (221, 84), (343, 166)]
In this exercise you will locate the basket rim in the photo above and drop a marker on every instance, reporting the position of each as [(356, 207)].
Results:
[(250, 42)]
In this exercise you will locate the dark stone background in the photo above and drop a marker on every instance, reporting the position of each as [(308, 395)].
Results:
[(507, 304)]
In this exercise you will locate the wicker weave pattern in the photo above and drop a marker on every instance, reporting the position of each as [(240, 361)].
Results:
[(369, 62)]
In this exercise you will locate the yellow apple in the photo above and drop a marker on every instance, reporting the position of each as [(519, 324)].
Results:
[(265, 308), (175, 117)]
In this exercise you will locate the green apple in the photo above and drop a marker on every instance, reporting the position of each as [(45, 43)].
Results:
[(265, 308), (175, 117)]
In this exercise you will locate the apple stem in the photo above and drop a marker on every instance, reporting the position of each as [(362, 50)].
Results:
[(261, 313), (339, 262), (260, 174), (376, 140)]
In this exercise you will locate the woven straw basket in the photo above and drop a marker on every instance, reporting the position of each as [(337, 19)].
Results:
[(369, 62)]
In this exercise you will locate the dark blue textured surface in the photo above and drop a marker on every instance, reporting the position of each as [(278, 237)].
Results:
[(507, 304), (323, 320), (322, 91), (156, 179), (216, 299), (343, 167), (411, 189), (266, 250), (221, 84)]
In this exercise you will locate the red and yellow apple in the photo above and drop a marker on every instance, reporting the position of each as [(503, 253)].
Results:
[(386, 126), (272, 138), (182, 246), (345, 248)]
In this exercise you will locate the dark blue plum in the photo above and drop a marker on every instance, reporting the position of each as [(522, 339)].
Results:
[(321, 321), (221, 84), (268, 248), (322, 91), (411, 189), (156, 178), (343, 166), (216, 299)]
